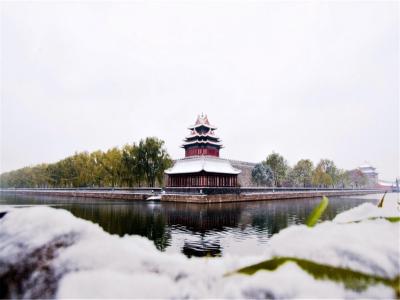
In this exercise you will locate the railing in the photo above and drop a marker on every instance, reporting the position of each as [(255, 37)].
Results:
[(91, 189), (189, 190), (298, 189)]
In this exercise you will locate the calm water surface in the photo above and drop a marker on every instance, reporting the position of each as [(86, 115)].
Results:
[(196, 229)]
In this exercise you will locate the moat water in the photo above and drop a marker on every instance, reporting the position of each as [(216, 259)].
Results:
[(197, 229)]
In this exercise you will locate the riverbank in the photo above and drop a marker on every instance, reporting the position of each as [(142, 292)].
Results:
[(240, 195), (262, 196)]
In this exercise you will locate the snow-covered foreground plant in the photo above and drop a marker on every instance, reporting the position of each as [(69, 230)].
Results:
[(46, 252), (355, 280)]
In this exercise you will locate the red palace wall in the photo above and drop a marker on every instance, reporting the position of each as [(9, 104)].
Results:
[(201, 151)]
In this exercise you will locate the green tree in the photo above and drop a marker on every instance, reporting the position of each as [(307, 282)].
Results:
[(262, 175), (99, 172), (54, 174), (152, 159), (40, 176), (84, 168), (290, 178), (111, 161), (132, 172), (343, 179), (302, 172), (329, 167), (279, 167), (133, 165), (68, 172), (325, 174)]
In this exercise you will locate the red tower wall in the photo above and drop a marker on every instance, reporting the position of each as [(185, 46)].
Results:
[(201, 151), (202, 179)]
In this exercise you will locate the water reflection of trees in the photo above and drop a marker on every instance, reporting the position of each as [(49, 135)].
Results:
[(127, 219)]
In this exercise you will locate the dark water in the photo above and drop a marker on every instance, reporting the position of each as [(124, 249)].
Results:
[(196, 229)]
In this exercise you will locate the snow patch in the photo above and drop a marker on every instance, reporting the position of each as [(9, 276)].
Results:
[(367, 211)]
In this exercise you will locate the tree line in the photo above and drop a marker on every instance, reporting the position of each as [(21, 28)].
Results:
[(275, 171), (144, 163), (134, 165)]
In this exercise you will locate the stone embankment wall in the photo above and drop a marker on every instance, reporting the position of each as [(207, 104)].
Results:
[(144, 194), (140, 194), (260, 196)]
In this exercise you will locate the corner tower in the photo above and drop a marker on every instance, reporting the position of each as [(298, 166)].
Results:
[(202, 139), (202, 167)]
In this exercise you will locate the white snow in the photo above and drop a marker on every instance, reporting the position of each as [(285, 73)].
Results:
[(202, 163), (95, 264), (367, 211)]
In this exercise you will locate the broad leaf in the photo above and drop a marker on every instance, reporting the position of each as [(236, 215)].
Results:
[(380, 204), (353, 280), (393, 219), (317, 212)]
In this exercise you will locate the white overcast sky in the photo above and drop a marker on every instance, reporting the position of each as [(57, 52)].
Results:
[(305, 79)]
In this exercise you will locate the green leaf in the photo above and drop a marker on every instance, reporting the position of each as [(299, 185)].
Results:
[(380, 204), (393, 219), (317, 212), (353, 280)]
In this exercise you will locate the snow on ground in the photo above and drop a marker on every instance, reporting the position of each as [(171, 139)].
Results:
[(367, 211), (47, 252)]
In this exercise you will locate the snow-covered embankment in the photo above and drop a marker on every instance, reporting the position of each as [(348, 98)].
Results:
[(47, 252)]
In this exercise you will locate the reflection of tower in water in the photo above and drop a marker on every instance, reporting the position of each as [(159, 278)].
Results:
[(202, 248), (202, 218), (205, 222)]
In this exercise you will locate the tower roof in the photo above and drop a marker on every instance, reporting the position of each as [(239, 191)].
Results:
[(194, 133), (197, 142), (202, 120), (202, 163), (202, 139)]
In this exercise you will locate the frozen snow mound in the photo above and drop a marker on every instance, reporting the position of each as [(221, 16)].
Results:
[(47, 252)]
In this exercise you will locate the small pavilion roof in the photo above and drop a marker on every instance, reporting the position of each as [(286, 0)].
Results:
[(202, 120), (197, 164)]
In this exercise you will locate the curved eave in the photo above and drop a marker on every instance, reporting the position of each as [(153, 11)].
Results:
[(202, 125), (202, 143), (220, 147), (198, 135)]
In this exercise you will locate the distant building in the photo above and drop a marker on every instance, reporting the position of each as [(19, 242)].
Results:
[(202, 166), (370, 173)]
